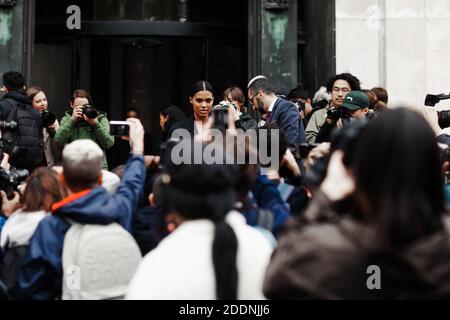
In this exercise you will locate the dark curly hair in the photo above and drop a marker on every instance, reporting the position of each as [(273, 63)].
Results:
[(353, 81)]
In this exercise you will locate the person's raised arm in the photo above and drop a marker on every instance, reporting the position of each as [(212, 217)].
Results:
[(132, 186), (136, 136)]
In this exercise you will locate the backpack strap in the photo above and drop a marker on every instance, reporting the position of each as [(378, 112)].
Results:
[(13, 105), (12, 102), (285, 190), (265, 219), (70, 221)]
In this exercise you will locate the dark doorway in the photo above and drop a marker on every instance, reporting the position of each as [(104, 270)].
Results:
[(140, 64)]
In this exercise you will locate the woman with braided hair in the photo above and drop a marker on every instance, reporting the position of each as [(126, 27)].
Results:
[(211, 253)]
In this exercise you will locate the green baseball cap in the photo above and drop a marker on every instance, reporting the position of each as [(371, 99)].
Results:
[(355, 100)]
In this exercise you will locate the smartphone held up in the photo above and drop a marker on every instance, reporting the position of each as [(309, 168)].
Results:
[(119, 128)]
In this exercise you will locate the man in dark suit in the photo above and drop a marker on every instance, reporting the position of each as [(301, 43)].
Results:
[(262, 96)]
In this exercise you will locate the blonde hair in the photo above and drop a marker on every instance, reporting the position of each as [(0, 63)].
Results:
[(33, 91)]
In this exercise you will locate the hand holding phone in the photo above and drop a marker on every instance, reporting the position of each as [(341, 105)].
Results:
[(119, 128)]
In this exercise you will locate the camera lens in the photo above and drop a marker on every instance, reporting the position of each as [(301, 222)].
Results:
[(333, 114), (444, 119), (8, 126), (90, 112), (47, 118)]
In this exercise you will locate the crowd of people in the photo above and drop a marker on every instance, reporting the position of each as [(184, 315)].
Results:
[(97, 216)]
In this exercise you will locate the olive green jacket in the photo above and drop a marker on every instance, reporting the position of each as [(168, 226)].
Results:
[(70, 131), (315, 124)]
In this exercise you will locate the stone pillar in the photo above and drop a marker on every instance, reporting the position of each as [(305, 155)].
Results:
[(16, 36), (272, 41)]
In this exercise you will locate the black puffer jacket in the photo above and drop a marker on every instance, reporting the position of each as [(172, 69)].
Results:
[(25, 143)]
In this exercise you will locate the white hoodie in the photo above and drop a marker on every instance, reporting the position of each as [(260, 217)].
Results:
[(19, 228), (181, 267)]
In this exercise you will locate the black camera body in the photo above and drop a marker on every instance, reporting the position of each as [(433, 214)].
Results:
[(11, 179), (343, 114), (220, 115), (90, 112), (337, 113), (433, 99), (334, 114), (444, 116), (444, 119), (48, 118)]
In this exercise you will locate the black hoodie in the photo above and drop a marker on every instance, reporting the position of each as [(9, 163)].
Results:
[(27, 137), (6, 105)]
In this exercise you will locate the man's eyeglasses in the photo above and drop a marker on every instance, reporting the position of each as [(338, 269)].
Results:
[(251, 99), (343, 90)]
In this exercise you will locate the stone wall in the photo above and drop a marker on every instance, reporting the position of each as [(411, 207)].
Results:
[(403, 45)]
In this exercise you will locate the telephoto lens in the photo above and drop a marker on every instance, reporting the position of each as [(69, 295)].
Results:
[(8, 126)]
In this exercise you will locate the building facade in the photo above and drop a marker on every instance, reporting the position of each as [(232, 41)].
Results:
[(402, 45), (146, 54)]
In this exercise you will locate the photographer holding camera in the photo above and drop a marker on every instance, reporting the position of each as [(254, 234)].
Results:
[(338, 86), (84, 122), (354, 107), (52, 151), (235, 96), (21, 125)]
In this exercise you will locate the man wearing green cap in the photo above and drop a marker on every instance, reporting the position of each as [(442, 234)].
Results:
[(357, 104)]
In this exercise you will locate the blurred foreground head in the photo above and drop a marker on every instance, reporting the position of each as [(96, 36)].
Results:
[(399, 185), (201, 191)]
